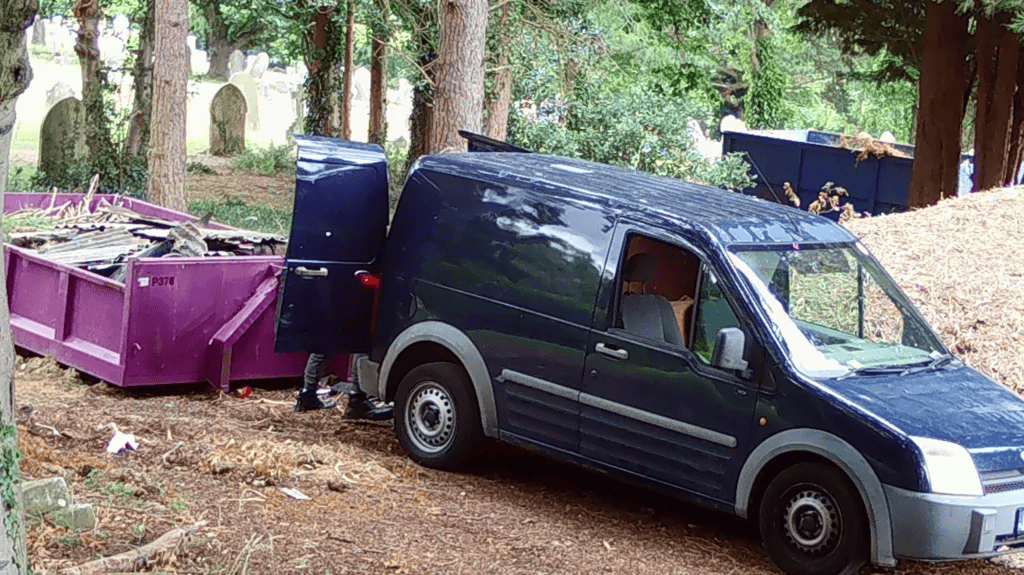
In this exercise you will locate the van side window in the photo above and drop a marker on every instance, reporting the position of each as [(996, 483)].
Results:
[(658, 285), (713, 313)]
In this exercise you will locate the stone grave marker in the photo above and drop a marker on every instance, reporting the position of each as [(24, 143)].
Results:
[(251, 90), (236, 63), (62, 137), (58, 92), (361, 84), (227, 121), (39, 31), (121, 26), (259, 65)]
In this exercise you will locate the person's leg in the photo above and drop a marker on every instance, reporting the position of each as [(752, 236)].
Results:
[(308, 399), (361, 405)]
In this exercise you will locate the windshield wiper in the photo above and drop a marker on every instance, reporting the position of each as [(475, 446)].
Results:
[(868, 370), (932, 365)]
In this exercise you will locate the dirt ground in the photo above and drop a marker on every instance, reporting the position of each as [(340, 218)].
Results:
[(273, 191), (220, 461)]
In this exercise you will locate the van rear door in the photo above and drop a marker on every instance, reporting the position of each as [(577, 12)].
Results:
[(338, 228)]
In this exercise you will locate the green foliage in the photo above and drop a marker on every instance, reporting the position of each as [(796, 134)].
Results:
[(235, 212), (764, 102), (269, 161), (120, 173), (23, 179), (10, 479), (199, 168)]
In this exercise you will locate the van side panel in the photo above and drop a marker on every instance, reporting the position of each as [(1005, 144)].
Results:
[(514, 269)]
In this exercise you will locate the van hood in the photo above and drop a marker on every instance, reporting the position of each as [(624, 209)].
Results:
[(959, 405)]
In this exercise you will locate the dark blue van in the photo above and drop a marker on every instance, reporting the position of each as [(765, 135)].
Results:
[(742, 354)]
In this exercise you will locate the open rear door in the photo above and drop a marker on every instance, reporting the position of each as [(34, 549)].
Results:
[(338, 229)]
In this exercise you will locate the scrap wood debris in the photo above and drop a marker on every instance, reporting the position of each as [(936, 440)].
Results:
[(868, 146), (104, 238), (961, 265)]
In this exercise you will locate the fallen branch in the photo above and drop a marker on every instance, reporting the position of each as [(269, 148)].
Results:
[(136, 558)]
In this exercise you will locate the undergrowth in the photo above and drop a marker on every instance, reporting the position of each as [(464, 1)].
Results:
[(269, 161), (235, 212)]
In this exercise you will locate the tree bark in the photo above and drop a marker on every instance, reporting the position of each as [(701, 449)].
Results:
[(998, 54), (940, 105), (499, 98), (97, 133), (15, 75), (345, 121), (378, 130), (1016, 154), (137, 142), (170, 81), (458, 103), (421, 117), (321, 60)]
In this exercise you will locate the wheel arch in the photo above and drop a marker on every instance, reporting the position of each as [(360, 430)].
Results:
[(430, 341), (794, 445)]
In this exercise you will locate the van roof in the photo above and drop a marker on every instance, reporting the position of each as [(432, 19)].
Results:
[(732, 218)]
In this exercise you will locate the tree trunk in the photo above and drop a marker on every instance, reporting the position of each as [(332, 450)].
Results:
[(459, 98), (137, 141), (15, 75), (345, 122), (1016, 154), (759, 31), (170, 81), (499, 98), (998, 54), (220, 50), (97, 133), (940, 92), (421, 117), (320, 97), (378, 132)]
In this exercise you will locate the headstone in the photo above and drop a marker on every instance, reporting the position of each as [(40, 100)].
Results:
[(58, 92), (79, 517), (227, 121), (249, 60), (45, 495), (200, 62), (731, 123), (361, 84), (694, 130), (39, 31), (191, 41), (888, 137), (259, 65), (251, 90), (62, 137), (236, 63)]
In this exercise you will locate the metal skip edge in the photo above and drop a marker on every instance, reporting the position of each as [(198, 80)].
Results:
[(618, 408)]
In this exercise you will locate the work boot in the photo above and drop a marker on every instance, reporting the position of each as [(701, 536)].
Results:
[(310, 402), (362, 406)]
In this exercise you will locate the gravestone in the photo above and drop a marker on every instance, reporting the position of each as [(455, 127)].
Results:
[(259, 65), (62, 137), (39, 31), (227, 121), (361, 84), (58, 92), (251, 90), (236, 63), (121, 26)]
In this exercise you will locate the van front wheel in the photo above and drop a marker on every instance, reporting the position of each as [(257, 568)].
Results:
[(812, 522), (437, 419)]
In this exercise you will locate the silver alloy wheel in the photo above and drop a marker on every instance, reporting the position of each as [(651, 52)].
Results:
[(430, 417), (813, 521)]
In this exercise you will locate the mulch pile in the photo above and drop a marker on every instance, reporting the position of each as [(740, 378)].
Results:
[(962, 265)]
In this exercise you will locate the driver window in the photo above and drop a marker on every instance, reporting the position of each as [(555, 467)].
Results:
[(657, 289), (713, 314)]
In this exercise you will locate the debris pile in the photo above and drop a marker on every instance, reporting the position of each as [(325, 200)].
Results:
[(104, 239), (961, 264)]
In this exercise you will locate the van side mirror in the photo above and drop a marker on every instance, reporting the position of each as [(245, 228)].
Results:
[(728, 352)]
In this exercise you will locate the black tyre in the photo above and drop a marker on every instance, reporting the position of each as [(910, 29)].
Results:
[(437, 418), (813, 523)]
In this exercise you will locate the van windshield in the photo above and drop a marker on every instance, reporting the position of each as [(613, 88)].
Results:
[(837, 311)]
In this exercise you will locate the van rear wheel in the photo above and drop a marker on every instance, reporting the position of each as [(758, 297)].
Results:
[(437, 418), (812, 522)]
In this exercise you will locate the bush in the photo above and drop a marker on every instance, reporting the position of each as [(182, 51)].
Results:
[(269, 161), (235, 212), (120, 173), (23, 179), (199, 168)]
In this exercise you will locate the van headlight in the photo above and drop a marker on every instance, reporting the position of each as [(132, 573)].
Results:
[(949, 467)]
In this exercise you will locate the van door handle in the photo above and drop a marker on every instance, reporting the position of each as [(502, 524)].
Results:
[(306, 272), (613, 352)]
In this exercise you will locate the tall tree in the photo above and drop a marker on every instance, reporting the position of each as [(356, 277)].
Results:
[(420, 20), (345, 112), (15, 75), (458, 103), (137, 142), (97, 131), (322, 53), (498, 98), (997, 56), (229, 25), (381, 31), (170, 82)]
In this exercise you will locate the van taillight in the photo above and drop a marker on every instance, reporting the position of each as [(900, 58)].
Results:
[(368, 280)]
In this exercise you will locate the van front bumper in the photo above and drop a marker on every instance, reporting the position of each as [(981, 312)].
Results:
[(934, 527)]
